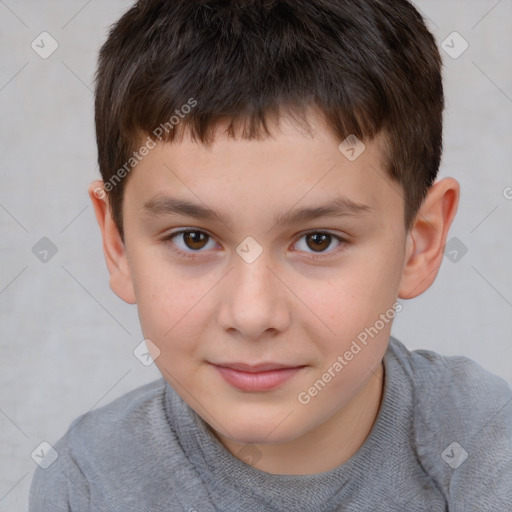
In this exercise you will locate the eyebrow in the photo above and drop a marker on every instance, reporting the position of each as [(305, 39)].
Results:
[(338, 207)]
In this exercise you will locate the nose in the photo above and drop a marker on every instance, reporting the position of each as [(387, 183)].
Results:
[(256, 301)]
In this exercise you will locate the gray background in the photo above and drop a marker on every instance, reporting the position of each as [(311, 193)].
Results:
[(67, 340)]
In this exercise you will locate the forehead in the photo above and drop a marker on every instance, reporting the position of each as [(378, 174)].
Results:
[(294, 167)]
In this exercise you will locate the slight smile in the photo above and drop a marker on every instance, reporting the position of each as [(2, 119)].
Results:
[(261, 377)]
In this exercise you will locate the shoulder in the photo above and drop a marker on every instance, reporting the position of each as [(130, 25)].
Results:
[(462, 417), (453, 394), (95, 445), (127, 421), (438, 379), (142, 404)]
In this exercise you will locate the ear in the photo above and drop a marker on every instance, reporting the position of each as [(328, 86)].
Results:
[(113, 246), (426, 238)]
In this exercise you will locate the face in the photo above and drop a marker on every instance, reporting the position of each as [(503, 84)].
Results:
[(277, 252)]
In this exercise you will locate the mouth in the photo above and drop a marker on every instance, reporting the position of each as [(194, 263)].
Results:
[(261, 377)]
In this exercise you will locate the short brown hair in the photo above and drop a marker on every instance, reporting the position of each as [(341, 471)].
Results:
[(368, 66)]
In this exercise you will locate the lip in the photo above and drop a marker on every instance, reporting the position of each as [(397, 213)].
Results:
[(261, 377), (256, 368)]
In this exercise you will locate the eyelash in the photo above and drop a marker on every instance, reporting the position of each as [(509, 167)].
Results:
[(193, 255)]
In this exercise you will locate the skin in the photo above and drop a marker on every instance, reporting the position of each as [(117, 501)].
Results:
[(285, 306)]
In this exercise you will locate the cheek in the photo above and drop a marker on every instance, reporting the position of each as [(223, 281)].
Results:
[(357, 295), (168, 299), (357, 306), (173, 319)]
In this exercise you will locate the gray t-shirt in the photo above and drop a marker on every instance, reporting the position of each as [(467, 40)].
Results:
[(442, 441)]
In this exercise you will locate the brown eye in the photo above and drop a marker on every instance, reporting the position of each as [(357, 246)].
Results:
[(190, 241), (318, 241), (195, 239)]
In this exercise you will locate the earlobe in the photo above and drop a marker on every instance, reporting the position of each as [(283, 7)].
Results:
[(113, 246), (426, 239)]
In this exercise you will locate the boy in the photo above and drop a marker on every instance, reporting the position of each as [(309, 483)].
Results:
[(268, 195)]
